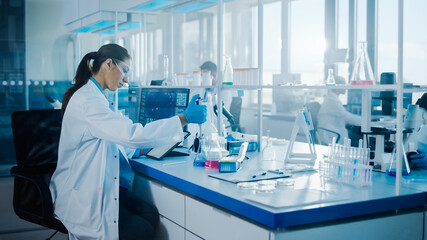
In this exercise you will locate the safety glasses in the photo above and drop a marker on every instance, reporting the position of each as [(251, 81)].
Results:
[(122, 66)]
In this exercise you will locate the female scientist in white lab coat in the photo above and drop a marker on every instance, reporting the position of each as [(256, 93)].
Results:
[(420, 159), (85, 186), (333, 116)]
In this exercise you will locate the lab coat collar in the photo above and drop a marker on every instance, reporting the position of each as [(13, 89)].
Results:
[(97, 85)]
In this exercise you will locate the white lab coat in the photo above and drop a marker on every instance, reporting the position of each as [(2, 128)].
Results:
[(422, 138), (333, 116), (85, 185)]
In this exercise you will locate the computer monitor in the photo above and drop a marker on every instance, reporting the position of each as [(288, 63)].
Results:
[(150, 104)]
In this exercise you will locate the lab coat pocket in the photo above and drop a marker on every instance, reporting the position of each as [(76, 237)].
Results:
[(84, 208)]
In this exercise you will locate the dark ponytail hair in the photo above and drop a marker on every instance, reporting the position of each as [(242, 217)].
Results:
[(85, 69)]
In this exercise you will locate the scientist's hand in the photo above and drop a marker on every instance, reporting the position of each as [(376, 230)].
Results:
[(419, 160), (195, 113)]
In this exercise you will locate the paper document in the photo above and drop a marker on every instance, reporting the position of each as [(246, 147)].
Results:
[(248, 177)]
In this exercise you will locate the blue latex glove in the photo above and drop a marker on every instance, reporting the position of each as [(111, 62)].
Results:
[(419, 160), (195, 113)]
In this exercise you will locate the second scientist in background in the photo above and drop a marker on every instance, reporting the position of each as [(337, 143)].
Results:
[(334, 117)]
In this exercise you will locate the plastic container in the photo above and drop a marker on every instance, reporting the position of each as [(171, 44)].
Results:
[(197, 79), (206, 78), (182, 79), (362, 72)]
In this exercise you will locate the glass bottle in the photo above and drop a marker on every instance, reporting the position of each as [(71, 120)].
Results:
[(214, 152), (165, 66), (362, 72), (206, 78), (228, 72), (166, 80), (330, 81)]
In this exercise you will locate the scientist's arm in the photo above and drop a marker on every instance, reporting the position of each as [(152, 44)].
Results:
[(183, 119), (194, 113), (419, 160), (106, 124), (351, 118)]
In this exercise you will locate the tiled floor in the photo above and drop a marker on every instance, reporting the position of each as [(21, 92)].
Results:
[(14, 228)]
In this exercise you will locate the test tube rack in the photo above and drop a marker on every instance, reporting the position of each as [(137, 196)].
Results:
[(349, 165)]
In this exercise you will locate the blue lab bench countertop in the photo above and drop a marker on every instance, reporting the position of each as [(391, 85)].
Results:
[(309, 200)]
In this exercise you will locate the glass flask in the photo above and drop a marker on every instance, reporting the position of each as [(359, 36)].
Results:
[(330, 81), (228, 72), (362, 72), (208, 128), (270, 160), (214, 152), (268, 153)]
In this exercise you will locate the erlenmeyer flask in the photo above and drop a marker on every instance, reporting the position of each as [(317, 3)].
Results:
[(362, 72), (330, 81), (268, 153), (208, 128), (269, 158)]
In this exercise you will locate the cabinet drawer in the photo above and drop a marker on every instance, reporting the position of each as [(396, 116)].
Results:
[(212, 223), (169, 230), (191, 236), (169, 202)]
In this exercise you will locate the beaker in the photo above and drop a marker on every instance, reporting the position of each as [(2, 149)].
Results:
[(362, 72), (330, 81)]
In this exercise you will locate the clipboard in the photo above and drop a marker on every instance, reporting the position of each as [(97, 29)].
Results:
[(159, 153)]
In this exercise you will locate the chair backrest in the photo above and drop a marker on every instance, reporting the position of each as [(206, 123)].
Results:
[(235, 109), (36, 136), (313, 108)]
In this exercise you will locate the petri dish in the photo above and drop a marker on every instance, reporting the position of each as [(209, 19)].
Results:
[(267, 183), (247, 185), (285, 182), (266, 188)]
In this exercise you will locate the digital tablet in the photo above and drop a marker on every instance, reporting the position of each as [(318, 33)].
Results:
[(159, 153)]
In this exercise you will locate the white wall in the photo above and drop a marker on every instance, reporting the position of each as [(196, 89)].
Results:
[(49, 48)]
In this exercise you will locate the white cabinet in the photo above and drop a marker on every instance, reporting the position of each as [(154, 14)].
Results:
[(425, 225), (70, 11), (169, 202), (191, 236), (405, 226), (87, 8), (168, 230), (75, 10), (210, 222)]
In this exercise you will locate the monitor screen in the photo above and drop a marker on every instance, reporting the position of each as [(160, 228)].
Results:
[(159, 103)]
